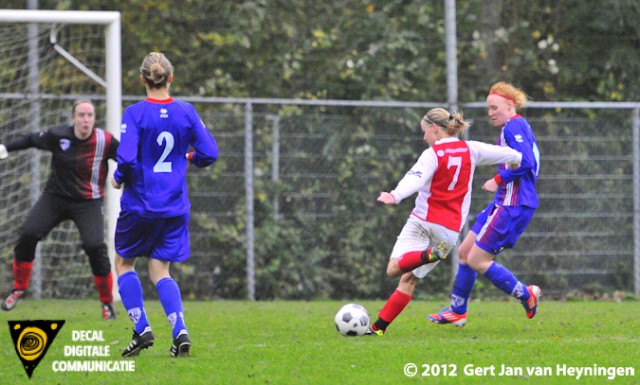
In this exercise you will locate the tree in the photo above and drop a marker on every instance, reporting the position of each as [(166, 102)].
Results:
[(354, 49)]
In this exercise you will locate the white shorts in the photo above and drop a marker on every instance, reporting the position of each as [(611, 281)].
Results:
[(420, 235)]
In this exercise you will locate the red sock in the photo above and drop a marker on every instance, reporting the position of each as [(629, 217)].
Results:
[(21, 274), (105, 287), (394, 306), (411, 260)]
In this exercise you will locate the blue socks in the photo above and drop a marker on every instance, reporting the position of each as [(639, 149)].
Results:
[(504, 280), (499, 275), (462, 288), (130, 290), (171, 300)]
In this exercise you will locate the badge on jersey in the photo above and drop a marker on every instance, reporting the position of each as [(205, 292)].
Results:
[(65, 144)]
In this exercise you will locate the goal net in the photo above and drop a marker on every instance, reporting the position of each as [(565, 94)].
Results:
[(44, 67)]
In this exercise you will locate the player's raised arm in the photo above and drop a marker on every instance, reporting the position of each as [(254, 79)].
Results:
[(40, 140)]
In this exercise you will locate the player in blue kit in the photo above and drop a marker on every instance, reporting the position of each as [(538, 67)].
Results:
[(153, 157), (500, 224)]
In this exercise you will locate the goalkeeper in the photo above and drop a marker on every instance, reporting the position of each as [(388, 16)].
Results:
[(74, 191)]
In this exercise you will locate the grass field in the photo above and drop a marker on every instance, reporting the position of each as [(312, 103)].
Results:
[(237, 342)]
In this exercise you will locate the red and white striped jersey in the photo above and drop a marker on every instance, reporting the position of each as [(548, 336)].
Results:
[(443, 177), (78, 167)]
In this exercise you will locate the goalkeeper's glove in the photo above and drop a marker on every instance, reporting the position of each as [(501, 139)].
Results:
[(3, 152)]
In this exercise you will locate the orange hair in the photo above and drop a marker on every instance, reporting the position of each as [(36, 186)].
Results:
[(509, 92)]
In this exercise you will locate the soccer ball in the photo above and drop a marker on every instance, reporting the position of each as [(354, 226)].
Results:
[(352, 320)]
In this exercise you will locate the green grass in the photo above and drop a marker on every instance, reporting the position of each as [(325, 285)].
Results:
[(237, 342)]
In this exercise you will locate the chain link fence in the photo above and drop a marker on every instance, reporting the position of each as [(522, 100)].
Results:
[(289, 210), (321, 166)]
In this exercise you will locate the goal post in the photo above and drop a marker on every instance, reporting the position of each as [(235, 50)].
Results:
[(110, 22), (112, 48)]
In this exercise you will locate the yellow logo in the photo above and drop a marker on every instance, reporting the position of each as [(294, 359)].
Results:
[(32, 340)]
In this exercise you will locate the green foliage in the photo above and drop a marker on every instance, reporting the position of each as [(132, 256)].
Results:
[(392, 50), (354, 49)]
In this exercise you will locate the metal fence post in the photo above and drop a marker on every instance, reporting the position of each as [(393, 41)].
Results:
[(34, 122), (249, 182), (275, 162), (451, 43), (635, 127)]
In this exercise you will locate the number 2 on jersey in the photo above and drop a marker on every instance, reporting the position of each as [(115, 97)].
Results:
[(165, 138)]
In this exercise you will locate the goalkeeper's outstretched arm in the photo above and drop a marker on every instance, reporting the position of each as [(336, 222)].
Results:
[(22, 142)]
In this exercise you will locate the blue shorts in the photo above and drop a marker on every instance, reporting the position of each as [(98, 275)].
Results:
[(166, 239), (499, 227)]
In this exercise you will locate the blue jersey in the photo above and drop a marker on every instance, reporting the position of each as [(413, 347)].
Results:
[(155, 136), (518, 187)]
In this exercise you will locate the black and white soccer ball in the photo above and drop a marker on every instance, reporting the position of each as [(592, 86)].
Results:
[(352, 320)]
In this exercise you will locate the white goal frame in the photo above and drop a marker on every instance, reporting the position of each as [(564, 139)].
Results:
[(113, 74)]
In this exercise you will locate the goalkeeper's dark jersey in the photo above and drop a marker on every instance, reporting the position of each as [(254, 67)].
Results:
[(78, 167)]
